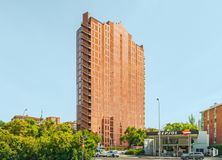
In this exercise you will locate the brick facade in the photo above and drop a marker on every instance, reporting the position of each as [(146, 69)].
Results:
[(110, 80), (212, 123)]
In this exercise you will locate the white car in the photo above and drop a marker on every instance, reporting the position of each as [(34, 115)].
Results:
[(112, 153), (101, 154)]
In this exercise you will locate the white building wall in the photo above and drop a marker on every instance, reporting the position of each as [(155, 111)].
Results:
[(202, 142)]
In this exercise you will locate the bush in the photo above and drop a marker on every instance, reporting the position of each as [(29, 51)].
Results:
[(118, 148), (132, 151), (217, 146)]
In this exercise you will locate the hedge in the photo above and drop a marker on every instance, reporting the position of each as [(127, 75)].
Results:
[(217, 146), (132, 151)]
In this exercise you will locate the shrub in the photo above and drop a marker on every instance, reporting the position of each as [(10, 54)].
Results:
[(217, 146), (132, 151)]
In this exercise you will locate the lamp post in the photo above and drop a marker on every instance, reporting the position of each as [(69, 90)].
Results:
[(83, 145), (158, 101), (110, 143)]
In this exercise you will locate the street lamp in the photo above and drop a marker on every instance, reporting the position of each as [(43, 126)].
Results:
[(158, 101), (110, 143), (83, 145)]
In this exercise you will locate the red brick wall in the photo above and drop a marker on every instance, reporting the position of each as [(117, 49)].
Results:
[(211, 124), (117, 83), (219, 125)]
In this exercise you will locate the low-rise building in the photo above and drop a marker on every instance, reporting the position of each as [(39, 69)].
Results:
[(211, 121), (74, 125), (201, 144), (20, 117), (56, 120), (176, 143)]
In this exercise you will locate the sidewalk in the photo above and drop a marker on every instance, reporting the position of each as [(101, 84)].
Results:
[(148, 157), (162, 158)]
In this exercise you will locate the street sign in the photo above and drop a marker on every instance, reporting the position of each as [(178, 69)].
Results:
[(186, 132)]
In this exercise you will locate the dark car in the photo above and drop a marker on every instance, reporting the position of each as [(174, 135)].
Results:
[(193, 155)]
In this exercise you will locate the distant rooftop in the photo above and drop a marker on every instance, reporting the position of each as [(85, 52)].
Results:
[(215, 105)]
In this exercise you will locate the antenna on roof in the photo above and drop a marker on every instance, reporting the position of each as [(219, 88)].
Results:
[(41, 114), (24, 111)]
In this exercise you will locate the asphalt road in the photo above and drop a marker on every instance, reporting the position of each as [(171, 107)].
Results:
[(146, 158)]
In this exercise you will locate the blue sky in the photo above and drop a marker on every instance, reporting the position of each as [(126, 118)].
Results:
[(182, 42)]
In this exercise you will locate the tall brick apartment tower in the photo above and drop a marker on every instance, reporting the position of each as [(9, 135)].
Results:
[(110, 80)]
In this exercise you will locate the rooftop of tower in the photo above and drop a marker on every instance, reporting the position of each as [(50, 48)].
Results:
[(108, 22)]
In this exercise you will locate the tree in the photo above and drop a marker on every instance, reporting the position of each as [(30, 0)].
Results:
[(1, 123), (152, 130), (180, 126), (5, 151), (26, 127), (27, 140), (90, 141), (192, 119), (134, 136)]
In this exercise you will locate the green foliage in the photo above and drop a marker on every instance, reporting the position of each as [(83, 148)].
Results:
[(217, 146), (132, 151), (152, 130), (180, 126), (5, 151), (27, 140), (25, 128), (134, 136), (1, 123), (192, 119)]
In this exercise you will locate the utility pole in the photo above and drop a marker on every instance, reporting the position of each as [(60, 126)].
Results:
[(158, 101), (82, 147)]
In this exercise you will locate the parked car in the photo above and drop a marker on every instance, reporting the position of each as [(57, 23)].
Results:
[(112, 153), (193, 155), (101, 153)]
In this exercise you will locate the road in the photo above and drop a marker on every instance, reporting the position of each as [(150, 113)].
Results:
[(146, 158)]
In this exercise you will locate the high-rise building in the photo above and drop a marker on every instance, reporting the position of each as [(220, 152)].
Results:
[(211, 121), (110, 80)]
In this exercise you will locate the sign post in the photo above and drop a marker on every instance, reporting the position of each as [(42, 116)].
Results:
[(187, 132)]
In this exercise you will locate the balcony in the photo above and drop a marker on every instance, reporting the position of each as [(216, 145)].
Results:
[(85, 30), (87, 100), (85, 125), (86, 65), (86, 58), (86, 113), (86, 51), (85, 44), (86, 26), (86, 93), (85, 120), (86, 86), (86, 37), (86, 72), (86, 78), (86, 105)]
